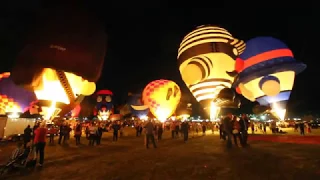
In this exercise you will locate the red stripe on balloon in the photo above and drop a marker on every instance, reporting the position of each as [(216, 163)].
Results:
[(266, 56)]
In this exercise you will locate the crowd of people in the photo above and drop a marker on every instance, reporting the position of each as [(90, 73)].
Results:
[(230, 128)]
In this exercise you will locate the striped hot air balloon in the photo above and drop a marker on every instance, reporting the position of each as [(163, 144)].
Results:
[(207, 61)]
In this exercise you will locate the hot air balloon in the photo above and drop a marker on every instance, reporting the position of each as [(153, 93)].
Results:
[(137, 107), (207, 61), (162, 97), (104, 107), (62, 58), (268, 74), (13, 99)]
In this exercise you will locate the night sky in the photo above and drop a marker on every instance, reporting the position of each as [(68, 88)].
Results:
[(143, 43)]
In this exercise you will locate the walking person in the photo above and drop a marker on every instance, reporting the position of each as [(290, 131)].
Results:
[(149, 127), (40, 142)]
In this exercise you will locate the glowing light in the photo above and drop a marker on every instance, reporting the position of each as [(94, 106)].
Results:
[(214, 111), (14, 115), (50, 88), (163, 114), (280, 112), (143, 117), (184, 116), (104, 115)]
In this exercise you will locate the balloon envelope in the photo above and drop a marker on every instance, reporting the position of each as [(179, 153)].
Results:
[(104, 99), (162, 97), (137, 107), (13, 97), (207, 61)]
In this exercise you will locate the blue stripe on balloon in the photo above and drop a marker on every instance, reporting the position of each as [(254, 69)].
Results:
[(260, 45), (266, 100)]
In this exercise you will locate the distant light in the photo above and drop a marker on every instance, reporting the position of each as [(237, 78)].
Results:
[(13, 115)]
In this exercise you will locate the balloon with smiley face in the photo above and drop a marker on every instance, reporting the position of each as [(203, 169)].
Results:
[(162, 97), (104, 101)]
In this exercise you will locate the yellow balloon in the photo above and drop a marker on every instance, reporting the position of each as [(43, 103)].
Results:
[(162, 97), (191, 78), (206, 57), (271, 88), (88, 88)]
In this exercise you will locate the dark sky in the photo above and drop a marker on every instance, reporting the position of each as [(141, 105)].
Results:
[(143, 42)]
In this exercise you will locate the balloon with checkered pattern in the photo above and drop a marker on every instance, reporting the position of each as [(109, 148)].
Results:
[(162, 97), (12, 97)]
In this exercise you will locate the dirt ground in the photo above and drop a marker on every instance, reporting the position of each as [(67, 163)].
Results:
[(203, 157)]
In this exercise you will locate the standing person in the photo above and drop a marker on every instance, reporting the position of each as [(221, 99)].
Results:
[(177, 129), (92, 134), (244, 122), (252, 127), (185, 130), (236, 131), (301, 126), (221, 131), (40, 142), (172, 129), (160, 131), (204, 129), (228, 129), (68, 131), (99, 134), (150, 134), (27, 135), (62, 133), (138, 130), (87, 131), (116, 128), (264, 128), (77, 133), (36, 126)]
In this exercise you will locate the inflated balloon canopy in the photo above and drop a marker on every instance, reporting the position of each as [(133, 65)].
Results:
[(207, 59), (12, 97), (162, 97), (69, 44)]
